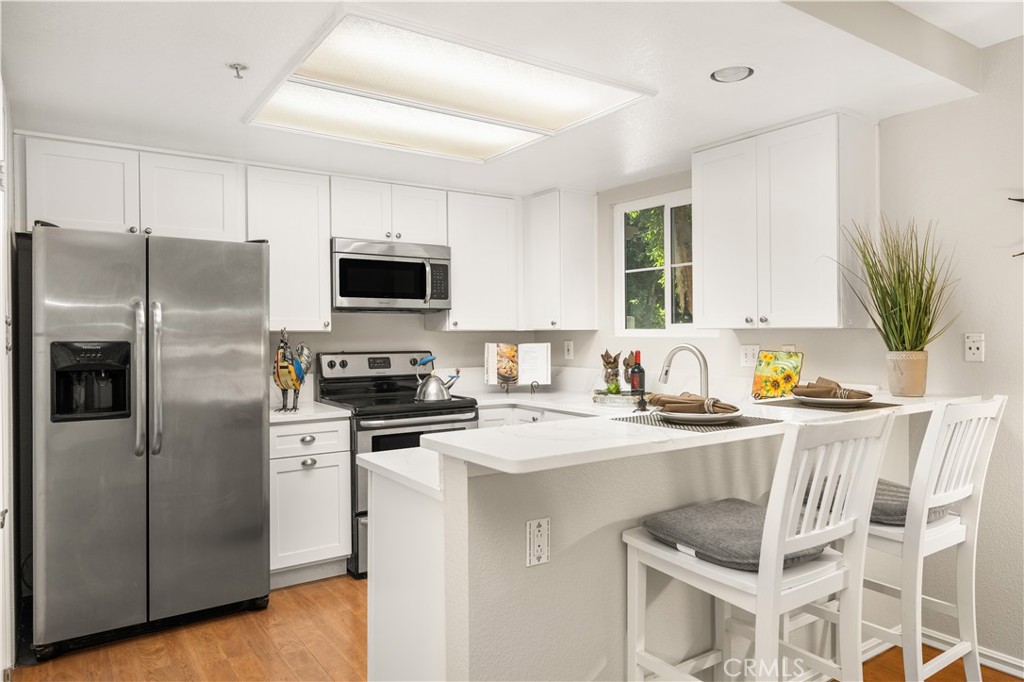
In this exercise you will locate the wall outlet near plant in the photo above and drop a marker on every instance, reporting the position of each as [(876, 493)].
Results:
[(974, 347), (748, 355)]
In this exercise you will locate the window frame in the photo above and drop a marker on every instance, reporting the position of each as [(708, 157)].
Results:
[(669, 200)]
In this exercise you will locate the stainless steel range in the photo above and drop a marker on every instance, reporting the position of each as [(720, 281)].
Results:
[(380, 391)]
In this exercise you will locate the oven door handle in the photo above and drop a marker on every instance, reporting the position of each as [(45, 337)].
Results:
[(414, 421)]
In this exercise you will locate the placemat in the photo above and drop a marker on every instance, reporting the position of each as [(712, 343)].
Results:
[(737, 423), (793, 402)]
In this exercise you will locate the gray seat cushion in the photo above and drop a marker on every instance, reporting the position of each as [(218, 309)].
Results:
[(890, 505), (724, 532)]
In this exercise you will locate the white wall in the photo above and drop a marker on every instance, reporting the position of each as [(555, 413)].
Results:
[(956, 163)]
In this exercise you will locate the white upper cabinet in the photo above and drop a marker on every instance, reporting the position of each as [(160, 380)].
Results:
[(360, 209), (482, 235), (81, 186), (768, 212), (378, 211), (560, 261), (292, 211), (186, 197), (91, 187), (419, 215)]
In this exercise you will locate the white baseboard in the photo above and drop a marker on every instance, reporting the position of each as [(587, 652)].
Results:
[(988, 657), (286, 577)]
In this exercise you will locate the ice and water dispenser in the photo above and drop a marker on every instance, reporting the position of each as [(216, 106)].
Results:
[(90, 380)]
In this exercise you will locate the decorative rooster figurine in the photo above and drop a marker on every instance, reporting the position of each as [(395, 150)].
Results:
[(290, 369)]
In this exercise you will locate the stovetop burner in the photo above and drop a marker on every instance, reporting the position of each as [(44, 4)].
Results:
[(378, 384)]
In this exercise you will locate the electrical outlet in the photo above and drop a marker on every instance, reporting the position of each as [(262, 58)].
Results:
[(569, 353), (974, 347), (538, 542), (748, 356)]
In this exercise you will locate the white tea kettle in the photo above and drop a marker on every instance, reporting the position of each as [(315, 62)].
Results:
[(431, 389)]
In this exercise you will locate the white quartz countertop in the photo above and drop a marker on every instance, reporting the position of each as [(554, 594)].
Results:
[(526, 448), (417, 468), (309, 410)]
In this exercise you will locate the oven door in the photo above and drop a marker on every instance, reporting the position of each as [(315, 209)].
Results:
[(368, 282), (377, 434)]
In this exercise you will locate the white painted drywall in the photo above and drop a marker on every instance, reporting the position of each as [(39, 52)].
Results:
[(955, 163)]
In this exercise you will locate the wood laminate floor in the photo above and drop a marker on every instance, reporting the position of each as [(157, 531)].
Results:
[(315, 631)]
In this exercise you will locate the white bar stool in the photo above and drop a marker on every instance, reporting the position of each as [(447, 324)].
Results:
[(951, 468), (834, 466)]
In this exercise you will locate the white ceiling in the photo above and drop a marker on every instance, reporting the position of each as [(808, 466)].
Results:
[(153, 74), (980, 23)]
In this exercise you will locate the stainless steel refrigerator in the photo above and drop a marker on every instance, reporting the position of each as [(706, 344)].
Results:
[(142, 428)]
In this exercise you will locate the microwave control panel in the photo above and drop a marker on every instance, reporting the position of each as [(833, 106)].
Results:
[(439, 281)]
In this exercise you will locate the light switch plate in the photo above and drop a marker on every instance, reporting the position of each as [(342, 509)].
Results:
[(569, 352), (538, 541), (748, 356)]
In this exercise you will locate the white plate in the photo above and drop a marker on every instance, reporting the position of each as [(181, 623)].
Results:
[(833, 402), (698, 417)]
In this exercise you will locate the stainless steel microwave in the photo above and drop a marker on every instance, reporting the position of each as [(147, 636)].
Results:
[(390, 276)]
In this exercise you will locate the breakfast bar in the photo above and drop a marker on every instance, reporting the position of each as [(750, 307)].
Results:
[(452, 527)]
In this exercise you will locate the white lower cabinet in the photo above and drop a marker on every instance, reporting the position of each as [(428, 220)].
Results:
[(310, 500), (495, 416)]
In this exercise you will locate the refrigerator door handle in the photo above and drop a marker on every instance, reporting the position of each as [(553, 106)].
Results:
[(140, 378), (157, 404)]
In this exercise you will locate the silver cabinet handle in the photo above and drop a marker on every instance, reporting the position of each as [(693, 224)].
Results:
[(158, 402), (455, 323), (554, 323), (133, 229), (308, 462), (140, 378), (748, 320), (535, 419), (307, 440), (398, 235), (388, 235), (148, 230), (762, 319)]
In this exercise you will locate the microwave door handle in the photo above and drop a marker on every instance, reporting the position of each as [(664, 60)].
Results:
[(430, 288)]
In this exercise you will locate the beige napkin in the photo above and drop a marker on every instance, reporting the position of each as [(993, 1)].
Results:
[(826, 388), (690, 403)]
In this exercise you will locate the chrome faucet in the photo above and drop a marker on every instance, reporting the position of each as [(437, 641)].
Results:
[(701, 360)]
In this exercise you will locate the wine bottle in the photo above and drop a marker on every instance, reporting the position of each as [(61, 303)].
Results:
[(637, 377)]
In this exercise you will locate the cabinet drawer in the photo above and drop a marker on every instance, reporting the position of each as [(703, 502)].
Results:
[(308, 438)]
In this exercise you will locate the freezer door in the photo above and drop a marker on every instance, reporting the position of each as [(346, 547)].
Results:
[(88, 474), (209, 413)]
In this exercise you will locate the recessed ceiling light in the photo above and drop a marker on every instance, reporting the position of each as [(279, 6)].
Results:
[(732, 74), (497, 102)]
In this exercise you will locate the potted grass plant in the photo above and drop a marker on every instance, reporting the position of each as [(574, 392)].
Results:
[(907, 286)]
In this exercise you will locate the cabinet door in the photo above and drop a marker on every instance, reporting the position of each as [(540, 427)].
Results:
[(578, 259), (194, 198), (81, 186), (481, 232), (495, 416), (797, 187), (360, 209), (310, 509), (725, 236), (522, 415), (419, 215), (542, 259), (292, 212)]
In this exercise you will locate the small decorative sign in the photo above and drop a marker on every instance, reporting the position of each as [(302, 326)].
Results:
[(776, 374)]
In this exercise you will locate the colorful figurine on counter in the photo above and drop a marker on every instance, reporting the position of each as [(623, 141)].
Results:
[(290, 369)]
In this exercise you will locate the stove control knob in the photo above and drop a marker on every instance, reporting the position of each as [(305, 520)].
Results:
[(344, 364), (413, 361), (331, 364)]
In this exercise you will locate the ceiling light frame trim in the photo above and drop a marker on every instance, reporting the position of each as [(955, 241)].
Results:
[(360, 11)]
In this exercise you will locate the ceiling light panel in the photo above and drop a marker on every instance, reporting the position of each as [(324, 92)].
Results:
[(365, 55), (338, 114)]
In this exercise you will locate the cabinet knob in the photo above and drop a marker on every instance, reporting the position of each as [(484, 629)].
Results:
[(327, 323), (554, 323), (748, 320), (388, 235), (308, 440), (398, 235), (455, 323), (308, 462), (148, 230), (535, 419), (133, 229), (762, 319)]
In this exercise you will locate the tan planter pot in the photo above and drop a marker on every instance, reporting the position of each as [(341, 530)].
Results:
[(908, 372)]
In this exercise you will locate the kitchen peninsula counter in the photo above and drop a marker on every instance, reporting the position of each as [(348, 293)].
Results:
[(449, 582)]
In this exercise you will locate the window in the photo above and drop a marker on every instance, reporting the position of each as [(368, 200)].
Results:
[(654, 265)]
